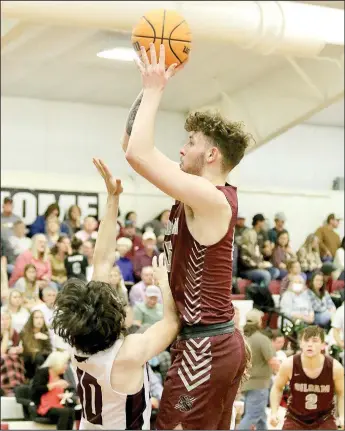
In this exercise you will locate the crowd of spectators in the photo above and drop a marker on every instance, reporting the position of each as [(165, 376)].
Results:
[(36, 261)]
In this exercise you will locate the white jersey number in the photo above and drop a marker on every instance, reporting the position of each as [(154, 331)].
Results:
[(90, 394), (168, 254), (311, 402)]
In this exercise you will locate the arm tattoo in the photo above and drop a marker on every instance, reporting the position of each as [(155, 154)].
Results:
[(133, 113)]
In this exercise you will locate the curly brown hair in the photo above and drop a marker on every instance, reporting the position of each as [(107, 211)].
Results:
[(228, 137), (89, 316)]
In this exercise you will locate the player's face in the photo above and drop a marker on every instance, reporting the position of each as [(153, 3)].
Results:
[(312, 347), (192, 154)]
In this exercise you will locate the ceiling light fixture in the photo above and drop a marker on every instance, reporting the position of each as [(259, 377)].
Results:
[(121, 54)]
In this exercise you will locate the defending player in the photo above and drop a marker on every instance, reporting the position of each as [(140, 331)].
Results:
[(111, 367)]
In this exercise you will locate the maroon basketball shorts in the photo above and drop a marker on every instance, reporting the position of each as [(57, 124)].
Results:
[(202, 382), (291, 424)]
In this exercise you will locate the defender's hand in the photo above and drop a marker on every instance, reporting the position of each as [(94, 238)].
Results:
[(160, 272), (114, 185)]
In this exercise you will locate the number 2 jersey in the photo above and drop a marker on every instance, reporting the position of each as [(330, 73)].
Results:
[(311, 400), (102, 407)]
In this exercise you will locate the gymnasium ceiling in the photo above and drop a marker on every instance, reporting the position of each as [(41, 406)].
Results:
[(59, 63)]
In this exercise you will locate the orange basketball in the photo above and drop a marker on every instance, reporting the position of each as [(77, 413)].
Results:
[(166, 27)]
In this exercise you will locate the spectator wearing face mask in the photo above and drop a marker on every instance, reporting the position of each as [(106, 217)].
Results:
[(294, 272), (144, 257), (295, 302)]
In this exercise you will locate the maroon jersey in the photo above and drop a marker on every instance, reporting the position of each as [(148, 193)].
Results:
[(200, 276), (311, 400)]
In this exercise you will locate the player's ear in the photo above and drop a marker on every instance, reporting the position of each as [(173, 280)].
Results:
[(212, 154)]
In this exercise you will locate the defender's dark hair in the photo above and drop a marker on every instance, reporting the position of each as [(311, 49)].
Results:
[(312, 331), (229, 137), (89, 316)]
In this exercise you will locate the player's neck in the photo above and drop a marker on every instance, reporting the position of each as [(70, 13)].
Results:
[(216, 180), (314, 362)]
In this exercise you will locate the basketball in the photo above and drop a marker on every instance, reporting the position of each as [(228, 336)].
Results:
[(166, 27)]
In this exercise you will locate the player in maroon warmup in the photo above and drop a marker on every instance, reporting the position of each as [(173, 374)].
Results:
[(208, 358), (314, 379)]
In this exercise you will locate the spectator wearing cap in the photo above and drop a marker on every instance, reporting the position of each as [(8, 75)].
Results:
[(123, 246), (329, 239), (144, 256), (137, 292), (279, 220), (150, 311), (240, 227), (128, 231), (258, 224), (256, 389), (8, 218)]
